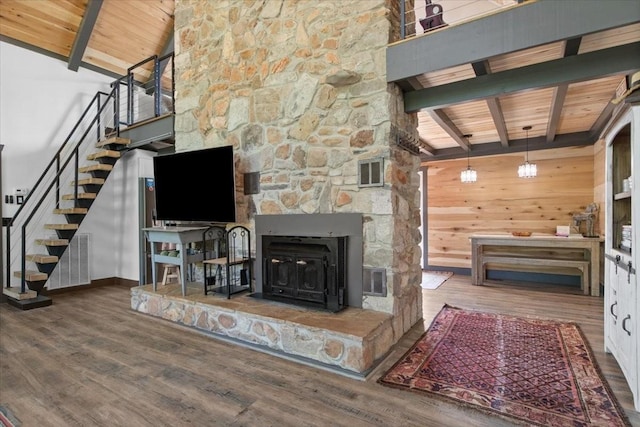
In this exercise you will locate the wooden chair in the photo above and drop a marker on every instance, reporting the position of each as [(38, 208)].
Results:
[(171, 272)]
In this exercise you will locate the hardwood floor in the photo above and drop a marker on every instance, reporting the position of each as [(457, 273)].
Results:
[(89, 360)]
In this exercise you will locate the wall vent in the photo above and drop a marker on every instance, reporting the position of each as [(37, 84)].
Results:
[(374, 281), (73, 267), (371, 173)]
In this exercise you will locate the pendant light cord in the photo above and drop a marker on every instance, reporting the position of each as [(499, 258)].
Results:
[(467, 136), (526, 129)]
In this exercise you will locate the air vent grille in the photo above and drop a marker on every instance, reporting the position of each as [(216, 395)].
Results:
[(374, 281), (73, 267)]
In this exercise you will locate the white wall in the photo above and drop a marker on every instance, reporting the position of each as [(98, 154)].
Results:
[(135, 165), (40, 102), (114, 237)]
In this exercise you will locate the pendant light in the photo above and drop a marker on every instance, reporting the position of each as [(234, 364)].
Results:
[(468, 175), (527, 170)]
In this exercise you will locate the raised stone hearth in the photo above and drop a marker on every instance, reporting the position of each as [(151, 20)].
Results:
[(349, 342)]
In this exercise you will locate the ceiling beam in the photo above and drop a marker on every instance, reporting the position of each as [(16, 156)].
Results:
[(602, 120), (448, 126), (557, 101), (571, 47), (601, 63), (84, 33), (482, 68), (425, 147), (516, 146), (530, 24), (413, 84), (498, 119)]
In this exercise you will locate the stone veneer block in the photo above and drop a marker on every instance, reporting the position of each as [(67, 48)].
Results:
[(351, 340)]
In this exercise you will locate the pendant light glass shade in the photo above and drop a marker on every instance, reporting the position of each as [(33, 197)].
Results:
[(468, 175), (527, 170)]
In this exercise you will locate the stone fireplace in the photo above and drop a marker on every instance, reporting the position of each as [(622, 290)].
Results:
[(299, 90)]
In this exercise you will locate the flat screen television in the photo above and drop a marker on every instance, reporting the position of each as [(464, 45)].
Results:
[(195, 186)]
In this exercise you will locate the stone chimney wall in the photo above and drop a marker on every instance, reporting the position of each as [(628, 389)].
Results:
[(298, 87)]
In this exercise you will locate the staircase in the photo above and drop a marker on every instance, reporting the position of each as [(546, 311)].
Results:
[(83, 163), (70, 220)]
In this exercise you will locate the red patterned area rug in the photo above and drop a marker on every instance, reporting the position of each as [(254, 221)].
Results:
[(7, 419), (533, 372)]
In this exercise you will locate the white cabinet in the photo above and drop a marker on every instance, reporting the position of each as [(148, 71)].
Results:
[(627, 333), (621, 316), (622, 245)]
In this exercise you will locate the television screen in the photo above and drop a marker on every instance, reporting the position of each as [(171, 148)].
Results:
[(196, 185)]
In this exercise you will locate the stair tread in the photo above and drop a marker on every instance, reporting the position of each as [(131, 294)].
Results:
[(71, 211), (61, 226), (52, 242), (31, 275), (89, 181), (14, 292), (41, 258), (114, 140), (98, 167), (104, 153), (80, 196)]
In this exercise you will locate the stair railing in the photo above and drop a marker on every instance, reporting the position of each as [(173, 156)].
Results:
[(32, 206), (101, 120)]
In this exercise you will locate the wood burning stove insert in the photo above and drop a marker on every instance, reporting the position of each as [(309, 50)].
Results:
[(307, 271)]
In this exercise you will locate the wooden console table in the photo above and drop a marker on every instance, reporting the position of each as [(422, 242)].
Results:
[(589, 245), (181, 236)]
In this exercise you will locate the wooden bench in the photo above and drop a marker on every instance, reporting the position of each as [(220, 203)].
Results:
[(582, 266), (542, 253)]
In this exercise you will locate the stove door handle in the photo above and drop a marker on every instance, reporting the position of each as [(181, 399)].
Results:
[(275, 261), (301, 262)]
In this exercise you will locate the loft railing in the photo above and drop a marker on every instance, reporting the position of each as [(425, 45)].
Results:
[(149, 88), (419, 17), (144, 93)]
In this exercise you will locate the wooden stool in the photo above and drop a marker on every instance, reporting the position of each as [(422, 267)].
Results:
[(171, 272)]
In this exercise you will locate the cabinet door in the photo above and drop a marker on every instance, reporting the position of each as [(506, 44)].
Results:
[(627, 324), (611, 308)]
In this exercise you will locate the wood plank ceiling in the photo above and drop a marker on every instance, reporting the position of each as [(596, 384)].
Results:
[(457, 116), (580, 106), (111, 35), (107, 36)]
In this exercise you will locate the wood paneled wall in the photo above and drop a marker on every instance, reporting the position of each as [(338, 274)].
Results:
[(500, 202)]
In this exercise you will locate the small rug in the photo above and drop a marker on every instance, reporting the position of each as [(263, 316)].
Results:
[(7, 419), (531, 371), (433, 279)]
